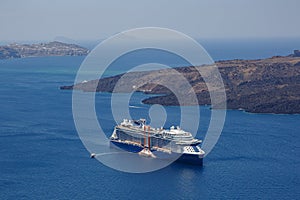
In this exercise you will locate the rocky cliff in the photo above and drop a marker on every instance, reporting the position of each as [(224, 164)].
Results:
[(262, 86)]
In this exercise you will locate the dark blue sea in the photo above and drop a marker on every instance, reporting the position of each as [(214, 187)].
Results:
[(42, 157)]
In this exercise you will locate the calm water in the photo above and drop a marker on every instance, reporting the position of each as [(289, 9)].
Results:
[(41, 156)]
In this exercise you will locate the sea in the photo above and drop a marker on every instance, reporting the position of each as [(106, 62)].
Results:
[(42, 157)]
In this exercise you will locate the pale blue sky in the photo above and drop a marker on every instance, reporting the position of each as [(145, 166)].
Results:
[(94, 19)]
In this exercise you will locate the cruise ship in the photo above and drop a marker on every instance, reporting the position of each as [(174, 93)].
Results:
[(174, 143)]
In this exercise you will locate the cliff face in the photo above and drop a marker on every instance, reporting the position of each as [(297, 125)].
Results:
[(42, 49), (262, 86)]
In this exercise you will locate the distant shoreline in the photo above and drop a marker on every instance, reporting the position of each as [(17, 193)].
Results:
[(55, 48)]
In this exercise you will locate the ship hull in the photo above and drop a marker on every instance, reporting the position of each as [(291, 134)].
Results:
[(183, 158)]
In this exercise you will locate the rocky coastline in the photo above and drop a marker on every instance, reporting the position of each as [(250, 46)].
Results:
[(269, 85)]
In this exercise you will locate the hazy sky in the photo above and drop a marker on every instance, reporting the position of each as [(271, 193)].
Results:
[(95, 19)]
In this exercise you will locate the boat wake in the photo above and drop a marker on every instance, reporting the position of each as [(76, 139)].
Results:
[(94, 155), (134, 107)]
